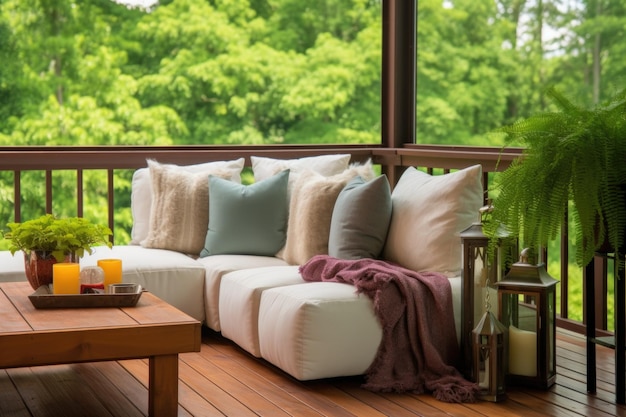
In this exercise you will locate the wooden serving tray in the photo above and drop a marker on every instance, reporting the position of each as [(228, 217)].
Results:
[(44, 298)]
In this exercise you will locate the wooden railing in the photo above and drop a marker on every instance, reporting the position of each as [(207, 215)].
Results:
[(434, 158)]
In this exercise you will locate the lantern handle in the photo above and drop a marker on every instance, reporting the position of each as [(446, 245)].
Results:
[(524, 255), (484, 211)]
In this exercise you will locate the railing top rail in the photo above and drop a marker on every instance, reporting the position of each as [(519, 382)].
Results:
[(132, 157), (25, 158)]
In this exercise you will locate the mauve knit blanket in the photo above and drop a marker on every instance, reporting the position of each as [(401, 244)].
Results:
[(419, 342)]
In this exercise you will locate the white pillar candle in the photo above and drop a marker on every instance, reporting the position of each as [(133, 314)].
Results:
[(522, 352), (484, 378)]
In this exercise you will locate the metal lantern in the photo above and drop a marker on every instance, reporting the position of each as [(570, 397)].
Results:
[(527, 307), (489, 352), (478, 269)]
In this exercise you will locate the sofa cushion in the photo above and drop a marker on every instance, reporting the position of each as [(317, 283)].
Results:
[(141, 192), (240, 297), (216, 267), (326, 330), (429, 212), (360, 219), (172, 276), (311, 210), (12, 266), (247, 220), (179, 214)]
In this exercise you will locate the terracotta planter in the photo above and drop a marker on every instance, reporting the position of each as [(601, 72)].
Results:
[(38, 265)]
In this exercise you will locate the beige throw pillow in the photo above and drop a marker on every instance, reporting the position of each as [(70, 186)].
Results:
[(179, 214), (428, 214), (311, 209)]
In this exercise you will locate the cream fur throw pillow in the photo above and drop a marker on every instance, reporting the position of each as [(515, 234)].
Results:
[(141, 192), (179, 214), (310, 211)]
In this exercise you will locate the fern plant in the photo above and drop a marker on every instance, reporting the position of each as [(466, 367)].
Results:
[(574, 159)]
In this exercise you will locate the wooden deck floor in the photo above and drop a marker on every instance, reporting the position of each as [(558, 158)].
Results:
[(223, 380)]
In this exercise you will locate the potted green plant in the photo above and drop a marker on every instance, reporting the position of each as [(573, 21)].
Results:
[(48, 239), (573, 159)]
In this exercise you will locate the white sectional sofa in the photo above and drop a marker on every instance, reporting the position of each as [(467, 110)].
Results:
[(257, 298)]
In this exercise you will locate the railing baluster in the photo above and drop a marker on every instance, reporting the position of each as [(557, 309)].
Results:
[(48, 191), (564, 268), (111, 198), (79, 193), (601, 294), (17, 195)]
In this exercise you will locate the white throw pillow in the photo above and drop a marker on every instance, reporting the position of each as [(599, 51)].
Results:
[(325, 165), (311, 210), (428, 214), (141, 192)]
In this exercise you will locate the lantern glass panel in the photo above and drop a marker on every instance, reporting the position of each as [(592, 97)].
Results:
[(520, 316), (482, 269), (489, 346), (483, 364)]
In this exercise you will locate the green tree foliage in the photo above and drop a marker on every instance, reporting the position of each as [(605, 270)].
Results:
[(97, 72), (226, 73), (463, 72)]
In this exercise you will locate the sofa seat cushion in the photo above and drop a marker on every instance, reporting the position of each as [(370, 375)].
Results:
[(318, 330), (216, 267), (12, 266), (324, 329), (172, 276), (240, 296)]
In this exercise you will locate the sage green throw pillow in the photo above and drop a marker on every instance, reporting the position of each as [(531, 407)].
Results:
[(247, 220)]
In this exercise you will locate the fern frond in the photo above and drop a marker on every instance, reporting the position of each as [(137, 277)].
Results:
[(573, 155)]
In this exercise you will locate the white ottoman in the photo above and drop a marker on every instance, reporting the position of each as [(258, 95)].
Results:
[(318, 330), (240, 297), (216, 267)]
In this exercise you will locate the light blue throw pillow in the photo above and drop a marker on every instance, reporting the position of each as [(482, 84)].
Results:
[(247, 220)]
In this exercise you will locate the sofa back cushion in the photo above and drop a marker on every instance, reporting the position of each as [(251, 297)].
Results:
[(429, 212)]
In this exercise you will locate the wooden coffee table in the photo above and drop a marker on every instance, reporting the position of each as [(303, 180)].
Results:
[(152, 329)]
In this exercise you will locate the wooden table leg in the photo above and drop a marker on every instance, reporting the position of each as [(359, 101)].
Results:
[(163, 386)]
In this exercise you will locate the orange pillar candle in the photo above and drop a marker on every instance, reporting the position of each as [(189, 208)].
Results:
[(112, 271), (65, 278)]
